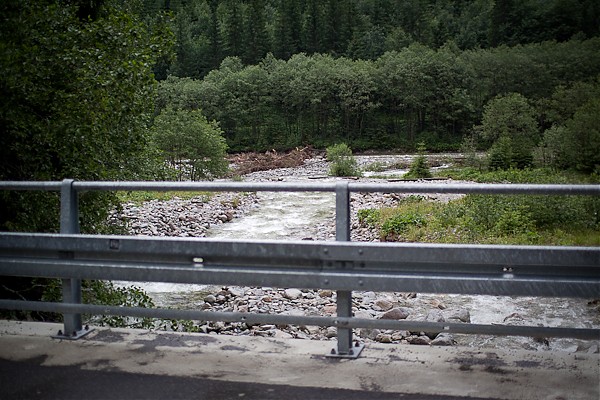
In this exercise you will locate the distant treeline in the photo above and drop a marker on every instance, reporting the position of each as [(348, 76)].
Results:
[(207, 31), (395, 101)]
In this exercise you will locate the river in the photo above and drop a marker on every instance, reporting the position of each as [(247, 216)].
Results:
[(294, 216)]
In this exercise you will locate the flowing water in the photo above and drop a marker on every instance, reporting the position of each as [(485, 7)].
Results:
[(294, 216), (281, 216)]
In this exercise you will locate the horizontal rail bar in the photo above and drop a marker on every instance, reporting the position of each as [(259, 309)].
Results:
[(28, 185), (322, 253), (432, 268), (206, 186), (345, 322), (477, 188), (308, 279), (464, 188)]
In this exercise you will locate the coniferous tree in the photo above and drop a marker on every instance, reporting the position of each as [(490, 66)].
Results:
[(256, 39)]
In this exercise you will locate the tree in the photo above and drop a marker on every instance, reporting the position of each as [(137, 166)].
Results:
[(77, 100), (583, 138), (510, 123), (193, 146), (256, 38), (232, 28), (288, 29), (572, 140), (419, 167), (342, 161), (576, 143)]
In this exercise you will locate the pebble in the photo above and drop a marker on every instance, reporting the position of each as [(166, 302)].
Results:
[(419, 340), (443, 339)]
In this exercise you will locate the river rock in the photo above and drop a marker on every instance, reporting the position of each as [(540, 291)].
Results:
[(462, 315), (396, 313), (331, 332), (435, 316), (210, 299), (443, 339), (292, 294), (419, 340), (384, 338), (384, 305)]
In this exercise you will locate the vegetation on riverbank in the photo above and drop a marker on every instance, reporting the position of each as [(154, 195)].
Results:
[(498, 219), (140, 196)]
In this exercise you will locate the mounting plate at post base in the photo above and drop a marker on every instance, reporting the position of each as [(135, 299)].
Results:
[(354, 352), (75, 335)]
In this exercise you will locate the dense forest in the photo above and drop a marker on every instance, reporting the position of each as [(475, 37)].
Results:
[(207, 31), (376, 74)]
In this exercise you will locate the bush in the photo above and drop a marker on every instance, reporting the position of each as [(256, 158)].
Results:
[(105, 293), (500, 155), (192, 145), (369, 217), (420, 167), (342, 161)]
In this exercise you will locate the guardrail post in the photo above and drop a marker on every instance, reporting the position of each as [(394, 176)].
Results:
[(71, 288), (345, 348)]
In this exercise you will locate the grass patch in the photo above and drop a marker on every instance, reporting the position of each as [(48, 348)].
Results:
[(494, 219), (142, 196)]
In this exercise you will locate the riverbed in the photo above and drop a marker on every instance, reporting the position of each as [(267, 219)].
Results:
[(310, 215)]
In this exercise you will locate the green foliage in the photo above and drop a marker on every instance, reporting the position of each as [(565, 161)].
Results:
[(419, 167), (369, 217), (413, 94), (105, 293), (342, 161), (510, 219), (509, 122), (573, 139), (209, 31), (192, 145), (78, 96), (500, 155), (468, 148), (401, 222), (139, 197)]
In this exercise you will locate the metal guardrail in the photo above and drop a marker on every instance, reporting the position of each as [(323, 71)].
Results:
[(343, 266)]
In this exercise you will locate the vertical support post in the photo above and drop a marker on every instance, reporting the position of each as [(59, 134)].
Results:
[(71, 288), (344, 297)]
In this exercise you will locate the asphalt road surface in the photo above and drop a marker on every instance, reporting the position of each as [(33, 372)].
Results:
[(29, 380)]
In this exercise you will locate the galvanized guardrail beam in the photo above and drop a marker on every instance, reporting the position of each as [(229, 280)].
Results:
[(344, 266), (341, 266)]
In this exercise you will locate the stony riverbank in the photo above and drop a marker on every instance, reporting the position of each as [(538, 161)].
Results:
[(195, 218)]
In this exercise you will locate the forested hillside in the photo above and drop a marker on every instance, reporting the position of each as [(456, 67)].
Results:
[(403, 97), (209, 30), (376, 74)]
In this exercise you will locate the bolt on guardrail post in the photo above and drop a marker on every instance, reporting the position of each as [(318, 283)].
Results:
[(344, 297), (71, 288)]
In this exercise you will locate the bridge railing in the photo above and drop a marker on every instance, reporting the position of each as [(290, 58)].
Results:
[(343, 266)]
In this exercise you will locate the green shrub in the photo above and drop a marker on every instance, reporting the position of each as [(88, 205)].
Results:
[(369, 217), (106, 293), (420, 167), (342, 161), (400, 223)]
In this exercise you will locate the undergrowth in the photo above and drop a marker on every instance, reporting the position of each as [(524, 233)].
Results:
[(494, 219), (142, 196)]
